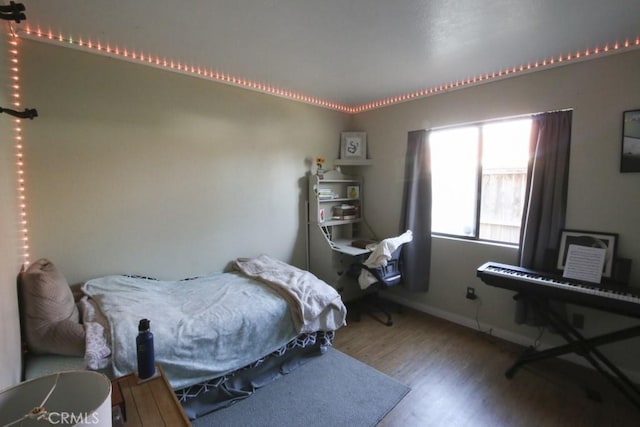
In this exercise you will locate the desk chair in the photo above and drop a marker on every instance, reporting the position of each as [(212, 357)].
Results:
[(386, 276)]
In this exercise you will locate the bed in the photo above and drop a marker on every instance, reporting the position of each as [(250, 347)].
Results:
[(218, 337)]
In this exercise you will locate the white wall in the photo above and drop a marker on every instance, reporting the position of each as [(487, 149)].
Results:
[(600, 198), (9, 254), (133, 169)]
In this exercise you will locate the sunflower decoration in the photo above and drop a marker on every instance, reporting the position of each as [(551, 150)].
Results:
[(319, 162)]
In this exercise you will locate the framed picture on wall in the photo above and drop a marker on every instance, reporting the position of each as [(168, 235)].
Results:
[(590, 239), (353, 145), (630, 160), (353, 192)]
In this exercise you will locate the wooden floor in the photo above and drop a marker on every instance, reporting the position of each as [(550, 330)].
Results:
[(456, 375)]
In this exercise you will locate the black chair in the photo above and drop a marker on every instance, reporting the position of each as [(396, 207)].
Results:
[(386, 276)]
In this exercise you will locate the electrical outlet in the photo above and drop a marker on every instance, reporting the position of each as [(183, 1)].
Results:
[(471, 293)]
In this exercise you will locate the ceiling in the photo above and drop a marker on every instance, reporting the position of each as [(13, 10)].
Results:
[(348, 52)]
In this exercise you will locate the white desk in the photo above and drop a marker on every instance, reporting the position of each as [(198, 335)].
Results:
[(344, 246)]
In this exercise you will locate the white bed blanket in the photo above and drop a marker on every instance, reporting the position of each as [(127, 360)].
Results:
[(315, 306), (203, 328)]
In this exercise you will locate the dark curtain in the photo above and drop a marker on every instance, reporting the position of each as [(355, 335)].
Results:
[(547, 184), (416, 213), (546, 195)]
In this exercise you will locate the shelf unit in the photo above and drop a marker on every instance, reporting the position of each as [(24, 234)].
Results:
[(335, 220)]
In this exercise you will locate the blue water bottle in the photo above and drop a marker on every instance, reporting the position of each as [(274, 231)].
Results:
[(146, 355)]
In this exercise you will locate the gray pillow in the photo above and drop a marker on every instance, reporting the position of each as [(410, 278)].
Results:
[(51, 319)]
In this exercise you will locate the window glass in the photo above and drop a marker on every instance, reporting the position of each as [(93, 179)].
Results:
[(497, 153), (505, 156), (454, 180)]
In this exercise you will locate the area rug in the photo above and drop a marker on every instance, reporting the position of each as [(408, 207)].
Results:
[(330, 390)]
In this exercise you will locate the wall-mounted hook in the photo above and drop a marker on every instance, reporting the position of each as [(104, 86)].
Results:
[(28, 113), (13, 12)]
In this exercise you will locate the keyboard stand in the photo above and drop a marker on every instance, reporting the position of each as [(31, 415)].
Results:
[(576, 343)]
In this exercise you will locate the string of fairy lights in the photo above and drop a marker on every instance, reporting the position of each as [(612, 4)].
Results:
[(138, 56), (507, 72), (173, 65), (14, 77)]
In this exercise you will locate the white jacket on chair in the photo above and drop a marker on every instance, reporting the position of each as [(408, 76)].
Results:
[(380, 255)]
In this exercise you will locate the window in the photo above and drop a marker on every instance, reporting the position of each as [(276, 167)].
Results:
[(478, 178)]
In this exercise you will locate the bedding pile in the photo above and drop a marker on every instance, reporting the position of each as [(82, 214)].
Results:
[(315, 306)]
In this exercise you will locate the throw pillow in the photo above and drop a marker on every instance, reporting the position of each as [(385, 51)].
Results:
[(50, 315)]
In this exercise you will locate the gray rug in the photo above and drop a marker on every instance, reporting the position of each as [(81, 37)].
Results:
[(331, 390)]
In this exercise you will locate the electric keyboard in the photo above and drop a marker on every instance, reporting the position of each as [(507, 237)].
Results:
[(616, 299), (539, 287)]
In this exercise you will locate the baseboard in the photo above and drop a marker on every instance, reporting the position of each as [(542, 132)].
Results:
[(495, 331)]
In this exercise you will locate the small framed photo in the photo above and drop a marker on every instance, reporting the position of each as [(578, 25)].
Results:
[(589, 239), (630, 159), (353, 192), (353, 145)]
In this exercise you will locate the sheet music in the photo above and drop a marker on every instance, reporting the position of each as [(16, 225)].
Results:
[(585, 263)]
